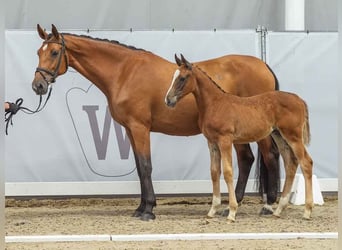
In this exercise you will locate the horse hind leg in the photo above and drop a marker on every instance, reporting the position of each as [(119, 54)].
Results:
[(215, 171), (291, 164), (296, 143), (306, 164)]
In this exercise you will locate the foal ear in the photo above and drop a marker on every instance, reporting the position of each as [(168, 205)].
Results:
[(42, 33), (178, 61), (55, 31), (187, 64)]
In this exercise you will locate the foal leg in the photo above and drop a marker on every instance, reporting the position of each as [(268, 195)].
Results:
[(245, 159), (306, 164), (270, 159), (215, 171), (225, 145), (291, 164)]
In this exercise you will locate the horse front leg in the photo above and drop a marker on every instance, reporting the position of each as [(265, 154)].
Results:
[(225, 145), (215, 171), (140, 140), (139, 211), (245, 159)]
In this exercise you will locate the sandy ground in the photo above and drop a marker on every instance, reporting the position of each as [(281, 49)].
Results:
[(174, 215)]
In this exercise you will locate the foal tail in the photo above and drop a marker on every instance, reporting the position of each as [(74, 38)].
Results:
[(306, 126)]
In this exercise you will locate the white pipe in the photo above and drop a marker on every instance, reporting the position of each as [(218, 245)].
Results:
[(158, 237), (295, 15)]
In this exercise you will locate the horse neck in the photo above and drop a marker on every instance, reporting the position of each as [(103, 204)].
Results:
[(207, 91), (90, 57)]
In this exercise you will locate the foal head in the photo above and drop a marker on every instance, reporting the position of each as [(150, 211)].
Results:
[(182, 82), (53, 60)]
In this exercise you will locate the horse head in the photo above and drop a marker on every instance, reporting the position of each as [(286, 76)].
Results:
[(53, 60), (180, 85)]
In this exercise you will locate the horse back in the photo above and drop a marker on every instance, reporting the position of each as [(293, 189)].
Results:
[(240, 75)]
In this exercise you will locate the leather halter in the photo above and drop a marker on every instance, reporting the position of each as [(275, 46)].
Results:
[(54, 73)]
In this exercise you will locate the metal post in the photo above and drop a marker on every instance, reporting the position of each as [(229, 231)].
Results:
[(262, 30)]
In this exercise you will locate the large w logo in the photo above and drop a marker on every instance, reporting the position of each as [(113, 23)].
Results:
[(106, 150), (101, 141)]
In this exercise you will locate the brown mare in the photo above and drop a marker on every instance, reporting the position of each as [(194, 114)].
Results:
[(135, 82), (225, 119)]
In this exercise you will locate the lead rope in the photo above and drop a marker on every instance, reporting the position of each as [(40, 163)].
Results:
[(15, 107)]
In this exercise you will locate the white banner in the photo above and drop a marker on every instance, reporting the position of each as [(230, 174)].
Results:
[(74, 139)]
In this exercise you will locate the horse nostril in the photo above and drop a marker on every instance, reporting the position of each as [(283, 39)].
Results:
[(169, 102), (39, 88)]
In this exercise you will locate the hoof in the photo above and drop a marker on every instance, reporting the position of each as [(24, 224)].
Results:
[(207, 220), (147, 216), (225, 212), (307, 217), (229, 221), (265, 211), (276, 215), (208, 217), (137, 214)]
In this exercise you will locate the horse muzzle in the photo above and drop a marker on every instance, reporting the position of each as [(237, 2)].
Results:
[(40, 87)]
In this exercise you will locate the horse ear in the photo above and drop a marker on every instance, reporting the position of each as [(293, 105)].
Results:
[(55, 31), (42, 33), (187, 64), (178, 61)]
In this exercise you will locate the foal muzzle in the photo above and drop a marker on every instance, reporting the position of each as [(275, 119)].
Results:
[(171, 101)]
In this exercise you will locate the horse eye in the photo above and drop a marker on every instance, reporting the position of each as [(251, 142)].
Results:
[(54, 53), (181, 83)]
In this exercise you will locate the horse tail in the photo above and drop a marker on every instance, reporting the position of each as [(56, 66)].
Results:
[(261, 171), (276, 82), (306, 127)]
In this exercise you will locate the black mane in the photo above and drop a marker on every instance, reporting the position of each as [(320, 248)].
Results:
[(102, 40), (218, 86)]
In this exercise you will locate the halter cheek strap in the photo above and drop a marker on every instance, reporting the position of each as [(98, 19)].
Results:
[(54, 73)]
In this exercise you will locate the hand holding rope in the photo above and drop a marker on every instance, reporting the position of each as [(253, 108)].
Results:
[(15, 107)]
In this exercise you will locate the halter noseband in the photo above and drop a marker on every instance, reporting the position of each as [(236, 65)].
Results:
[(54, 73)]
